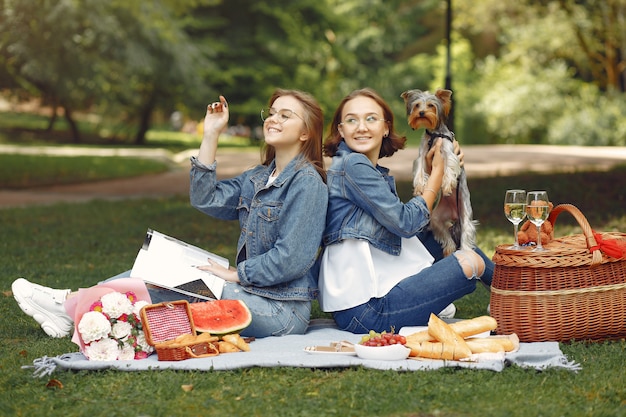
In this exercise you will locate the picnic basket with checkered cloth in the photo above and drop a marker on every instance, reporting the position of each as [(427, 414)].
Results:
[(169, 328)]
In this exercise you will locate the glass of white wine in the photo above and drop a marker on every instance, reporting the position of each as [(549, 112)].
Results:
[(537, 210), (515, 211)]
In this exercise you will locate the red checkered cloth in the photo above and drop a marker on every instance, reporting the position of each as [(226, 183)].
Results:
[(168, 321)]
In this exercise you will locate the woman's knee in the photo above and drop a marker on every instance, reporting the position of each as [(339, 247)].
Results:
[(472, 263)]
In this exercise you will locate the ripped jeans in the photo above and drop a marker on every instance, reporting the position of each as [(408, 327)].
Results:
[(412, 300)]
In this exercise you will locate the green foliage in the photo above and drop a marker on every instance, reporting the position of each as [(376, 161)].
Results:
[(522, 71), (591, 118)]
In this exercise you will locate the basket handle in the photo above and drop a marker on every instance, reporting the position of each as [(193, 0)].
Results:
[(207, 349), (596, 258)]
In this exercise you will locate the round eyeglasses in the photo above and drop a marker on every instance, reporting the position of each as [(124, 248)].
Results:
[(282, 115), (354, 122)]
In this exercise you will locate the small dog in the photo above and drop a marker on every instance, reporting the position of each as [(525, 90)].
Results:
[(451, 220)]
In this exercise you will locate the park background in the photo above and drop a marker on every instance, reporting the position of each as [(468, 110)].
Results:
[(110, 73)]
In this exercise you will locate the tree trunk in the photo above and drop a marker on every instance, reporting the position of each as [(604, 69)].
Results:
[(72, 124), (53, 117), (144, 119)]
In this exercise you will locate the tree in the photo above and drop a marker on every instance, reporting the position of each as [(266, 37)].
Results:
[(110, 56), (599, 26), (48, 48)]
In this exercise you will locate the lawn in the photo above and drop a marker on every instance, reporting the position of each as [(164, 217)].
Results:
[(73, 245)]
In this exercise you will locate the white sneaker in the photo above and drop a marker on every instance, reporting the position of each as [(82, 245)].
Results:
[(448, 312), (45, 305)]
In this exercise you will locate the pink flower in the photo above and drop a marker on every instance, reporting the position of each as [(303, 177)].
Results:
[(97, 306), (131, 296), (141, 355)]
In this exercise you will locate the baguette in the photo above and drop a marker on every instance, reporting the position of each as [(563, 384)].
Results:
[(465, 328), (443, 333), (432, 350), (493, 344)]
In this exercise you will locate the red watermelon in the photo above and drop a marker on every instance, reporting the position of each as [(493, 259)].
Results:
[(220, 316)]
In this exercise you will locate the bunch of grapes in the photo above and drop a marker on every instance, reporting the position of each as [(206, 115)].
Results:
[(382, 339)]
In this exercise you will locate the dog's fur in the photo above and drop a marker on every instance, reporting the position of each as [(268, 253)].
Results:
[(451, 220)]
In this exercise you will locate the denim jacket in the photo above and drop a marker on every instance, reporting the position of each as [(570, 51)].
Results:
[(281, 224), (364, 204)]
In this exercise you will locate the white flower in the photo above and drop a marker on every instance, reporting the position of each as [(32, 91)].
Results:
[(115, 304), (143, 343), (93, 326), (102, 350), (127, 353), (121, 330), (138, 306)]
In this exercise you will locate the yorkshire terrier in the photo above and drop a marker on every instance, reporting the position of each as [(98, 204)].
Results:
[(451, 220)]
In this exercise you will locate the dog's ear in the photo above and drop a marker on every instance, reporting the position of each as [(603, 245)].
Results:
[(445, 97), (409, 96)]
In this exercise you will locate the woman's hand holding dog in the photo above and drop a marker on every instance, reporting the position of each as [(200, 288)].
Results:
[(434, 158), (435, 165), (458, 152)]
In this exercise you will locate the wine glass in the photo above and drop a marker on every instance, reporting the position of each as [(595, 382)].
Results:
[(515, 211), (537, 210)]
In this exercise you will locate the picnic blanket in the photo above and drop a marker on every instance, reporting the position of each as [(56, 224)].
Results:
[(289, 351)]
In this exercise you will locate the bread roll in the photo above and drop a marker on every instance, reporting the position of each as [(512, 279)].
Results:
[(237, 340), (227, 347)]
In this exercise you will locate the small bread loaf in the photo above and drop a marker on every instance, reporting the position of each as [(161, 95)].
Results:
[(227, 347), (236, 340)]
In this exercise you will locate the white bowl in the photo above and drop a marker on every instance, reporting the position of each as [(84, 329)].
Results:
[(382, 353)]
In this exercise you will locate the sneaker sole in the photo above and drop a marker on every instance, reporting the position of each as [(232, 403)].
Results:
[(51, 327)]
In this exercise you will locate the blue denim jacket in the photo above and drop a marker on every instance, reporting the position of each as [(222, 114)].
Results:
[(281, 224), (364, 204)]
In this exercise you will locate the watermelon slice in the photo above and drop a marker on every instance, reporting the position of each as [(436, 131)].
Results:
[(220, 316)]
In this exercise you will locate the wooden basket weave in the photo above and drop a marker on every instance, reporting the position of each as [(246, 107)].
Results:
[(169, 328), (573, 291)]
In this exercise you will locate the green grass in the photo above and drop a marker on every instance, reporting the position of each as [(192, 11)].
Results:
[(73, 245), (26, 171)]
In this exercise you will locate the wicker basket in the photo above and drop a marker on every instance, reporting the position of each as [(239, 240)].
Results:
[(573, 291), (169, 328)]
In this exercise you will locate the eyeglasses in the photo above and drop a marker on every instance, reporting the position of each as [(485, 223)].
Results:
[(282, 115), (353, 122)]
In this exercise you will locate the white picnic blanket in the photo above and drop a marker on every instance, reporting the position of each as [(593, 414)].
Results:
[(289, 351)]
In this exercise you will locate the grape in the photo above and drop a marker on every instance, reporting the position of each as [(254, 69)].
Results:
[(382, 339)]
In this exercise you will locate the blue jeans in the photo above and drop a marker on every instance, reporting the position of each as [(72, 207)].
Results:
[(411, 302), (269, 317)]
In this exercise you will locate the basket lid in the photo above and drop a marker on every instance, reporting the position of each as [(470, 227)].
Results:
[(165, 321)]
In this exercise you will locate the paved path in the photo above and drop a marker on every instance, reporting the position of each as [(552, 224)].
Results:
[(480, 161)]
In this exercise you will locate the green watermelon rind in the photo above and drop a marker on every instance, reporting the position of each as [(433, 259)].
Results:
[(210, 316)]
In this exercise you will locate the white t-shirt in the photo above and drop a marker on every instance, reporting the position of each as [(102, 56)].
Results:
[(353, 271)]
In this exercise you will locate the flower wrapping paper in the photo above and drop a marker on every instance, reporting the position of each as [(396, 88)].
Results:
[(81, 303)]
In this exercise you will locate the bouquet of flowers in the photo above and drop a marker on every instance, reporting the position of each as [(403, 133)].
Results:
[(112, 330)]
